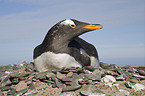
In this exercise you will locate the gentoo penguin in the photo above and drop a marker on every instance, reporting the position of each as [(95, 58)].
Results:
[(63, 48)]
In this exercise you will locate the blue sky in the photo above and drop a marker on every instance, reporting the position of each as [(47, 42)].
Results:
[(24, 23)]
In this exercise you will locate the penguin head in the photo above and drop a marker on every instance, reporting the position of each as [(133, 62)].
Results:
[(69, 29)]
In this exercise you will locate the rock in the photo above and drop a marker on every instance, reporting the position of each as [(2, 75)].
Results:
[(68, 94), (20, 93), (31, 86), (128, 84), (60, 76), (84, 81), (74, 81), (67, 79), (70, 88), (40, 75), (90, 68), (12, 92), (15, 80), (49, 92), (6, 88), (98, 72), (1, 94), (126, 93), (141, 72), (49, 75), (108, 79), (6, 83), (134, 81), (31, 93), (69, 74), (111, 73), (120, 78), (40, 85), (138, 87), (21, 85), (139, 76), (107, 66), (93, 77), (59, 84), (18, 74), (92, 91)]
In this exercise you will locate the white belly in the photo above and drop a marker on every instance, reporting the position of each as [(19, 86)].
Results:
[(49, 61)]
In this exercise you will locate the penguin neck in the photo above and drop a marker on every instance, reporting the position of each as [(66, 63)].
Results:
[(57, 42)]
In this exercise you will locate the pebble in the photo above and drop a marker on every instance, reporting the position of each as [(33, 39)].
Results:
[(120, 78), (71, 88), (69, 74), (138, 87), (60, 76), (108, 79), (21, 85), (107, 66), (141, 72), (134, 81), (59, 84), (31, 86), (88, 81), (6, 88), (123, 91), (93, 77), (12, 92), (128, 84)]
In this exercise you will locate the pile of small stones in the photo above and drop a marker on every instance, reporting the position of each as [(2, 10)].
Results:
[(107, 80)]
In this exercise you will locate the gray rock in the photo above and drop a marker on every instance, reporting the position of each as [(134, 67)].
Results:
[(49, 91), (120, 78), (93, 77), (108, 79), (90, 68), (20, 93), (67, 79), (1, 94), (139, 76), (74, 81), (70, 88), (31, 93), (92, 91), (31, 86), (21, 85), (49, 75), (59, 84), (12, 92), (6, 88), (69, 74), (107, 66), (60, 76), (128, 84), (41, 74), (67, 94), (138, 87), (8, 82), (141, 72), (15, 80), (123, 92)]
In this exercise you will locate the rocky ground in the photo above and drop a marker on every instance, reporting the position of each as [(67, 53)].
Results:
[(108, 80)]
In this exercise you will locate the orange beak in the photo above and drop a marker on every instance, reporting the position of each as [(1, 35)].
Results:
[(93, 26)]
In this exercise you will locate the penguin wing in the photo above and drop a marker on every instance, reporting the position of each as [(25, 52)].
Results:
[(88, 48)]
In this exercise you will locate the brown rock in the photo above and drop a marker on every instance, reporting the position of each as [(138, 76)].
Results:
[(134, 81), (69, 74)]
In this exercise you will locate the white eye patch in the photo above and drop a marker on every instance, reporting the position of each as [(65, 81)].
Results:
[(67, 22)]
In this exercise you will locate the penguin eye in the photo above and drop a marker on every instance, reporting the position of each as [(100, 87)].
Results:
[(73, 26)]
